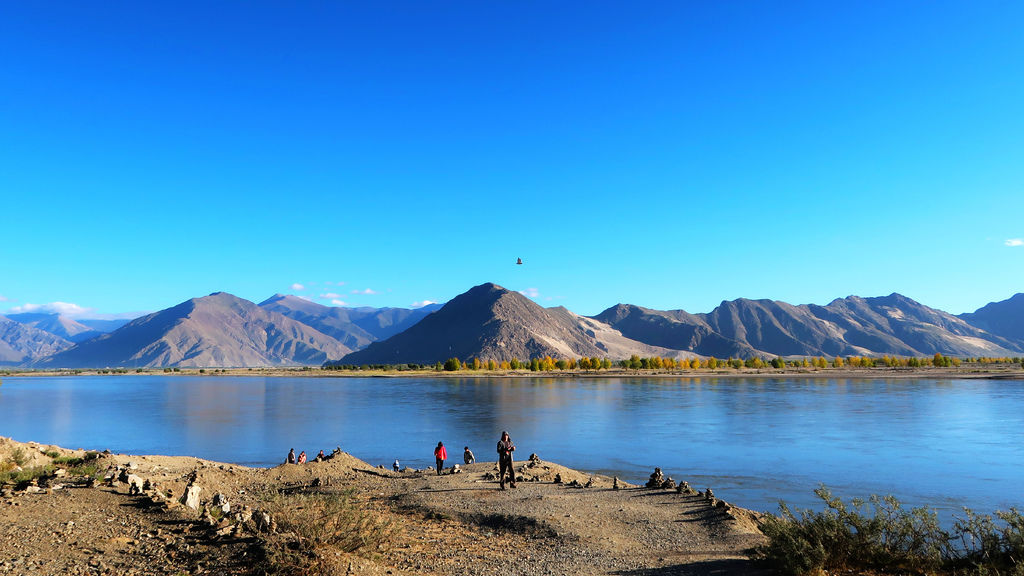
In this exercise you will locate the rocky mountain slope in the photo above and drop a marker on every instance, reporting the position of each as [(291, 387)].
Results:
[(56, 324), (891, 324), (216, 330), (1004, 318), (490, 322), (354, 327), (20, 343)]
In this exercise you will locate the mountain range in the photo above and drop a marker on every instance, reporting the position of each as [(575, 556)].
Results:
[(491, 322)]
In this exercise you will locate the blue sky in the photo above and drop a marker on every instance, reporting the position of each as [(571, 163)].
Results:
[(670, 155)]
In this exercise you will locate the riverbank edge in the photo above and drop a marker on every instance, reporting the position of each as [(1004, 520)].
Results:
[(1000, 372)]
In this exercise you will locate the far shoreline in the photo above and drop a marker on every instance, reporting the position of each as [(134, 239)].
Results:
[(1004, 371)]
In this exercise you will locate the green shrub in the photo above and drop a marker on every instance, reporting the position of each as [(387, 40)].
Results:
[(19, 457), (68, 460), (880, 535)]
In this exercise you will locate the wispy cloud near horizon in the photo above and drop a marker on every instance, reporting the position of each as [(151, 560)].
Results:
[(298, 286), (366, 291), (337, 302), (423, 303), (1013, 242), (330, 296), (63, 308), (530, 293)]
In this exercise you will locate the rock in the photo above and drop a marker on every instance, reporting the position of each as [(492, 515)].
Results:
[(316, 482), (60, 473), (456, 469), (490, 476), (206, 517), (656, 479), (684, 488), (668, 484), (534, 458), (221, 501), (191, 496), (709, 495), (558, 479), (135, 484), (615, 483), (264, 522), (590, 482), (244, 515)]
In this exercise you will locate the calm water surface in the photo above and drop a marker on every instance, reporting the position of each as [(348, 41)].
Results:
[(943, 443)]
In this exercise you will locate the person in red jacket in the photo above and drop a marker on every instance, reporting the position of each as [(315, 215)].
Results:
[(440, 454)]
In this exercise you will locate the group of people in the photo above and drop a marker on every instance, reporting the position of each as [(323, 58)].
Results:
[(301, 459), (505, 450)]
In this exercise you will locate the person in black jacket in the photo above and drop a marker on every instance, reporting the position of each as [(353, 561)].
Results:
[(505, 450)]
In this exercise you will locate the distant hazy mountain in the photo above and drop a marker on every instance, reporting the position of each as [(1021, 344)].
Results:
[(1005, 318), (56, 324), (892, 324), (353, 327), (104, 325), (20, 343), (491, 322), (216, 330)]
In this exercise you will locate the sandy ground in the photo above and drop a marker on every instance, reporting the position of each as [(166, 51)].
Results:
[(448, 524)]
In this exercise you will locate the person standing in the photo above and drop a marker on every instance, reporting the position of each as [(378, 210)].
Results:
[(505, 450), (440, 454), (468, 457)]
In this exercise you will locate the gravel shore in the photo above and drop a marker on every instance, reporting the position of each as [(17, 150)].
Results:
[(556, 521)]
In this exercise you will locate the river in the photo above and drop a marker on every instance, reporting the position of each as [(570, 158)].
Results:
[(940, 443)]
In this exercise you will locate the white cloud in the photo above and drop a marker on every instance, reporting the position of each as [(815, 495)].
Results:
[(1015, 242), (367, 291), (298, 286), (4, 298), (330, 295), (63, 308), (530, 293), (337, 302), (423, 303)]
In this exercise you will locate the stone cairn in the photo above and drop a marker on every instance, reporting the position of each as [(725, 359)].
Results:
[(656, 479), (684, 488)]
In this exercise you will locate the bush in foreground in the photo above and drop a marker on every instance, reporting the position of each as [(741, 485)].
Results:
[(314, 529), (880, 535)]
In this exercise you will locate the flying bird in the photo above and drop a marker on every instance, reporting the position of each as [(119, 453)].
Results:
[(519, 260)]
